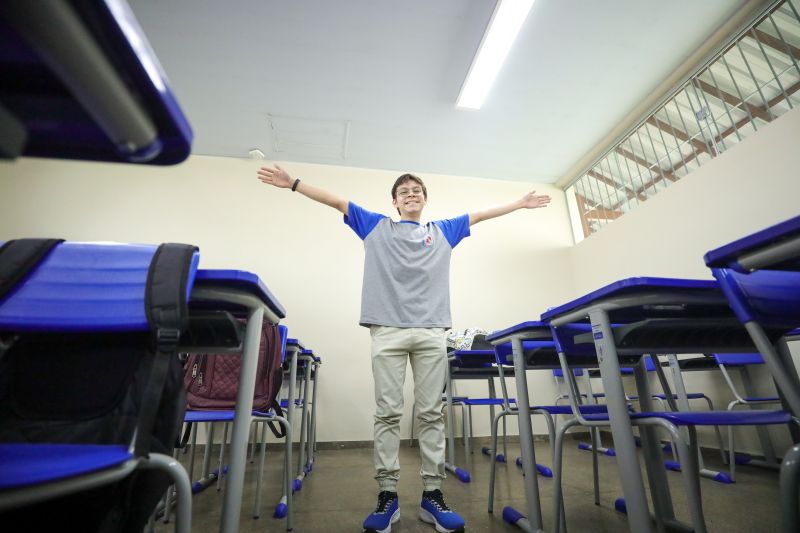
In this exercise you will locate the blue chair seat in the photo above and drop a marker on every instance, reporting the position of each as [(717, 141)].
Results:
[(764, 399), (690, 396), (26, 465), (486, 401), (456, 399), (567, 410), (710, 418), (738, 359), (557, 372), (264, 414), (285, 403), (209, 416), (720, 418)]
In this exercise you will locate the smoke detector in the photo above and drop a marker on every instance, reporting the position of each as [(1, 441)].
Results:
[(255, 153)]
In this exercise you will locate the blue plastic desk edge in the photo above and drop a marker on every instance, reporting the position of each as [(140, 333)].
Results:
[(627, 285)]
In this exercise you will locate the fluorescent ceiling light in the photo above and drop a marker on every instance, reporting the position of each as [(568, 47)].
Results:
[(507, 20)]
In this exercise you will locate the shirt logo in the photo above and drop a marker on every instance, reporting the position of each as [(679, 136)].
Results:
[(428, 240)]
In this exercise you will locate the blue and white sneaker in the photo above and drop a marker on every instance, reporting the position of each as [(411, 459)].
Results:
[(386, 513), (434, 511)]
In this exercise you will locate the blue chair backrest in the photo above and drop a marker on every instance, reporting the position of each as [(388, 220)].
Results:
[(648, 365), (770, 297), (85, 287), (577, 372), (503, 352), (283, 331), (564, 338)]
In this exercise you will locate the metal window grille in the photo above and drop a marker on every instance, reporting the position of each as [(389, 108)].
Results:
[(752, 81)]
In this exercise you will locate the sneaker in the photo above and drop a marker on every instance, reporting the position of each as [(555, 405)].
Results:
[(386, 513), (434, 511)]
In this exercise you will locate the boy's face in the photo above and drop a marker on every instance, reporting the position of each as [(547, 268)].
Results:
[(410, 198)]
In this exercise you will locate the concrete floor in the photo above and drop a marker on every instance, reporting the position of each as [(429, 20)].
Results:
[(340, 492)]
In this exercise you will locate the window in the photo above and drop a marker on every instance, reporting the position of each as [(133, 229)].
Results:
[(753, 80)]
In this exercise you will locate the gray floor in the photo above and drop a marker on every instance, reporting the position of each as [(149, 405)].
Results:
[(340, 492)]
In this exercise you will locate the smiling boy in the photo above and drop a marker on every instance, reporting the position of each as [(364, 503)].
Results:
[(405, 302)]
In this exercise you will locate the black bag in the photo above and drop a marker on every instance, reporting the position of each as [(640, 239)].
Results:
[(101, 388)]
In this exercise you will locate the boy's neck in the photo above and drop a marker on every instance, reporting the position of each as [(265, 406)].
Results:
[(411, 217)]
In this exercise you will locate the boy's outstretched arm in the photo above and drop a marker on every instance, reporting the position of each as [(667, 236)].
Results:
[(281, 179), (529, 201)]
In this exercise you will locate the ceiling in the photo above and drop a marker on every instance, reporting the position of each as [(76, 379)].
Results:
[(373, 83)]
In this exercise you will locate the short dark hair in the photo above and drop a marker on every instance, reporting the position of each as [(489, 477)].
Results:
[(405, 178)]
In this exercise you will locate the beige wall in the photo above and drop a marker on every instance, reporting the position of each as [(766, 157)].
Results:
[(508, 271), (751, 186)]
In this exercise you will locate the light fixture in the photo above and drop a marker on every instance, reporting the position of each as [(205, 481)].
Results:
[(503, 28)]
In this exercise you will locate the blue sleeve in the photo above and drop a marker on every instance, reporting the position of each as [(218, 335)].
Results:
[(361, 220), (454, 229)]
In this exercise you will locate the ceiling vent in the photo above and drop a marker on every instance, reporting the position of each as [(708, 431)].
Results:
[(310, 137)]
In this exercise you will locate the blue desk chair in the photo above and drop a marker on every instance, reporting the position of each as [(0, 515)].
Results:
[(81, 291), (536, 350), (591, 398), (760, 276), (742, 362), (476, 364), (678, 401), (595, 397)]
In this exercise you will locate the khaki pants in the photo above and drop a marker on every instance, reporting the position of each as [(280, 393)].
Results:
[(426, 349)]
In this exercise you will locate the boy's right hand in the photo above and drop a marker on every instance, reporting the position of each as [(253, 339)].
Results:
[(275, 176)]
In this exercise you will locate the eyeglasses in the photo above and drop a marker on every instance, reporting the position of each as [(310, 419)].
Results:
[(416, 191)]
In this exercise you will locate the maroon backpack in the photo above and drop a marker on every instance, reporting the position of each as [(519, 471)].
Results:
[(212, 379)]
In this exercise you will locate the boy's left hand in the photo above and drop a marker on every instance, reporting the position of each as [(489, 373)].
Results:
[(533, 200)]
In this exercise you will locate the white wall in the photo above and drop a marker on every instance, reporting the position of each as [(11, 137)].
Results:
[(753, 185), (509, 271)]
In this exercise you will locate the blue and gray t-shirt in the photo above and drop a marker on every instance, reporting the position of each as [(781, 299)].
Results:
[(406, 268)]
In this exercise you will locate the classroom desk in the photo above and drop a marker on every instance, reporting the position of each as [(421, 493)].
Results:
[(307, 360), (293, 350), (244, 294), (651, 316), (466, 364), (536, 357)]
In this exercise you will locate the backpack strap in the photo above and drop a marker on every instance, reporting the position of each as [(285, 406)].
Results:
[(167, 312), (19, 257), (277, 430), (184, 440)]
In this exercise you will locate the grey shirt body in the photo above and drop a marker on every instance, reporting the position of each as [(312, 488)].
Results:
[(406, 269)]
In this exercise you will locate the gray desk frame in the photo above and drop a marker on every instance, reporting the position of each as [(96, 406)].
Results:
[(256, 311)]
